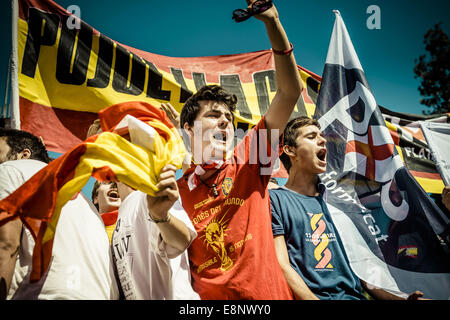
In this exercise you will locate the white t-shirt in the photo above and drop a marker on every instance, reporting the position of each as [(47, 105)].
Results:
[(149, 268), (81, 265)]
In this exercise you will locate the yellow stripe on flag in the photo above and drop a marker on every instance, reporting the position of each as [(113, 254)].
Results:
[(133, 165)]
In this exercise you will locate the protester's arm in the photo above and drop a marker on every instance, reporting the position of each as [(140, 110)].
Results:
[(10, 180), (9, 248), (380, 294), (446, 197), (295, 282), (174, 232), (289, 84)]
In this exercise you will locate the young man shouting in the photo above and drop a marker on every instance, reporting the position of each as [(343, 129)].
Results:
[(225, 192), (307, 243)]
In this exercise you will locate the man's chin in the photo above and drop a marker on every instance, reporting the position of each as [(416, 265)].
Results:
[(321, 169), (114, 205), (220, 153)]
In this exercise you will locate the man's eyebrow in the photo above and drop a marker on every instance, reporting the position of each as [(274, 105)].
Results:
[(219, 111), (310, 133), (213, 110)]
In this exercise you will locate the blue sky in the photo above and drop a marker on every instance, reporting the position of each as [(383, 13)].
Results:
[(203, 28)]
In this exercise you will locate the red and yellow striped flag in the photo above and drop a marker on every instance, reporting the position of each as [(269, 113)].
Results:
[(107, 156)]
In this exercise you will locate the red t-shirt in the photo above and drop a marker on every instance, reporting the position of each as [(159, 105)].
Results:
[(233, 256)]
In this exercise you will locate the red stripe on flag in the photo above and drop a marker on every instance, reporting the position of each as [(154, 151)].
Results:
[(427, 175), (395, 137), (61, 129), (47, 6), (104, 174), (111, 116)]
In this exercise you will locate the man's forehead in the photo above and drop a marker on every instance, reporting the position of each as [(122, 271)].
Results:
[(308, 129), (208, 105), (4, 150), (107, 185), (4, 143)]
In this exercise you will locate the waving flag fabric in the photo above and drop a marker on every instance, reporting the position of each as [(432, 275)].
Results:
[(108, 157), (413, 148), (438, 138), (395, 236)]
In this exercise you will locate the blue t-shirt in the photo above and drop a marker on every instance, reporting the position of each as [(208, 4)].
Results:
[(314, 246)]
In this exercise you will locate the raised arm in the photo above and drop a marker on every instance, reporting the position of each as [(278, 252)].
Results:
[(289, 84)]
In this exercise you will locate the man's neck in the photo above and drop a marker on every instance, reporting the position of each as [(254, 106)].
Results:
[(303, 183), (208, 174)]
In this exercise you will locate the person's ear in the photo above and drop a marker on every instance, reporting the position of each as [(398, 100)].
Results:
[(24, 154), (289, 150), (188, 129), (95, 200)]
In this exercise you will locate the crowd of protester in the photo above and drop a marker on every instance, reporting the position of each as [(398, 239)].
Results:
[(215, 233)]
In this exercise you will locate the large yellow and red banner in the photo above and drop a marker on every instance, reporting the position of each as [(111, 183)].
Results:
[(67, 75), (69, 71)]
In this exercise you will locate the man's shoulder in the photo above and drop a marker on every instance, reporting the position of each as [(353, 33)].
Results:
[(279, 192), (132, 204), (15, 172), (28, 167), (278, 198)]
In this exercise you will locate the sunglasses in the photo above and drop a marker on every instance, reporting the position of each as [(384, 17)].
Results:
[(257, 7)]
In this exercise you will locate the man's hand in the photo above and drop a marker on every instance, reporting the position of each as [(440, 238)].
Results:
[(159, 205), (268, 15), (416, 295), (174, 117), (172, 113), (446, 197), (174, 232)]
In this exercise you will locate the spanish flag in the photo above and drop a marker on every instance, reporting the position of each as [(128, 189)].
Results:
[(137, 141)]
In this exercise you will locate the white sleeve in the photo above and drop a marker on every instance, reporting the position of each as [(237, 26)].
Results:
[(10, 180), (178, 212), (162, 247)]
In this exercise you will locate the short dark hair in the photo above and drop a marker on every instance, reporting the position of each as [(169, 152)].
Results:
[(97, 185), (19, 140), (290, 135), (206, 93)]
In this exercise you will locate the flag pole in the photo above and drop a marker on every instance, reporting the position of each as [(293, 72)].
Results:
[(14, 66), (5, 109)]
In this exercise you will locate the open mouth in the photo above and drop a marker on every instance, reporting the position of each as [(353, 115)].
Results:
[(113, 194), (322, 154), (220, 136)]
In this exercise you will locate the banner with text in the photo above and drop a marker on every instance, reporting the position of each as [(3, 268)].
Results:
[(68, 71)]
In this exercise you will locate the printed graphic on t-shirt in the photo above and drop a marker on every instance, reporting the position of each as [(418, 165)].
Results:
[(120, 245), (215, 233), (203, 202), (227, 184), (320, 238)]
